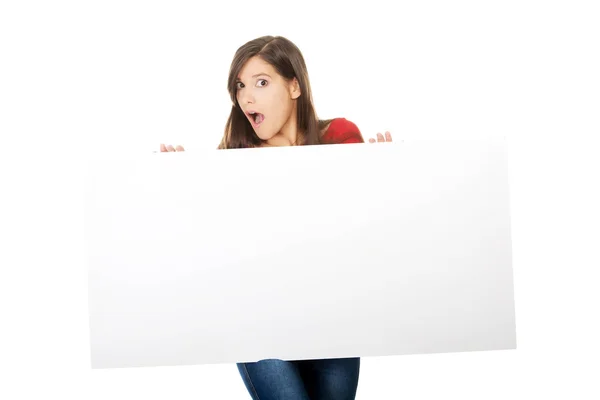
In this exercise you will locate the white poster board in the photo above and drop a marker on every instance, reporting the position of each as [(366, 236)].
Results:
[(294, 253)]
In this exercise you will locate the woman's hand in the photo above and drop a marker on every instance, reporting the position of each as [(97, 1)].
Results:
[(381, 138), (168, 148)]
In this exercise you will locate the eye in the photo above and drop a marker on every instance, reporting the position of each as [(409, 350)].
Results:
[(239, 85), (262, 80)]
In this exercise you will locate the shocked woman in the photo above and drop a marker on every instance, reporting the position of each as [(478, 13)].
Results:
[(272, 105)]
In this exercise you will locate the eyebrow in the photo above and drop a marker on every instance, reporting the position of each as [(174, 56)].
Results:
[(254, 76)]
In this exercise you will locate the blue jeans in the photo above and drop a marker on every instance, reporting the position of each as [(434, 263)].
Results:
[(327, 379)]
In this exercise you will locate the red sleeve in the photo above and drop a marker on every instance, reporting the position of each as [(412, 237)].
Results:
[(342, 131)]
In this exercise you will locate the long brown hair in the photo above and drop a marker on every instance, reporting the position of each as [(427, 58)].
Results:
[(288, 61)]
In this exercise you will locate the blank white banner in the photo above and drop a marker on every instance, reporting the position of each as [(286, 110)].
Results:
[(295, 253)]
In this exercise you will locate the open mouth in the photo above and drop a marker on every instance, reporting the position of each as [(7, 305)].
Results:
[(256, 118)]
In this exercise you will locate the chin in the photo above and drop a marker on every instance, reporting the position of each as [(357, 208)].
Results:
[(264, 136)]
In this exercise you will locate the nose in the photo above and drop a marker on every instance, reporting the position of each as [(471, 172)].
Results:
[(246, 96)]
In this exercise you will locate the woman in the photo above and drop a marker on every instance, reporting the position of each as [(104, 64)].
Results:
[(272, 106)]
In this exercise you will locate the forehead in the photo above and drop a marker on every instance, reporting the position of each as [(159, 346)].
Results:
[(255, 66)]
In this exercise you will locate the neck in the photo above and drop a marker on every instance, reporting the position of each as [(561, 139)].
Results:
[(288, 135)]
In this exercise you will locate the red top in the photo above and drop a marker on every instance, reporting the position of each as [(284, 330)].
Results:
[(342, 131)]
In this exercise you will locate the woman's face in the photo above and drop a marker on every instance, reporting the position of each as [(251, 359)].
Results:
[(265, 97)]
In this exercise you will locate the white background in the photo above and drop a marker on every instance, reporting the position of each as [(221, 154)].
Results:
[(77, 77)]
